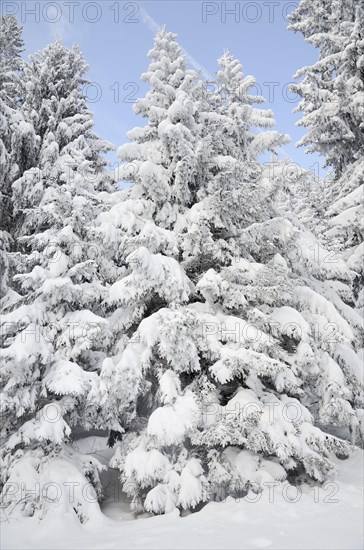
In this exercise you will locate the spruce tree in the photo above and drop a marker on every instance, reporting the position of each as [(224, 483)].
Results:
[(54, 335), (220, 304), (18, 142), (332, 94), (345, 225), (345, 214), (11, 67), (332, 89)]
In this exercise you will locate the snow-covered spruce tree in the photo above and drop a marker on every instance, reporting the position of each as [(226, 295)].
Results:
[(11, 69), (224, 365), (17, 140), (345, 221), (322, 268), (333, 106), (346, 216), (309, 265), (54, 335), (332, 88), (162, 163)]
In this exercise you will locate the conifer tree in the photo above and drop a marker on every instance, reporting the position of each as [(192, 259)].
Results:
[(54, 334), (332, 89), (218, 303), (332, 94), (17, 141), (11, 69)]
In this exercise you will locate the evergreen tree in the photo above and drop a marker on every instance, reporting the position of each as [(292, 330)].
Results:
[(54, 335), (11, 64), (332, 94), (332, 89), (221, 306), (17, 141), (162, 164), (346, 210), (345, 221)]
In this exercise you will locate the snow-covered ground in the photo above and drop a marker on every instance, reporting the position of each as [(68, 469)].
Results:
[(328, 517)]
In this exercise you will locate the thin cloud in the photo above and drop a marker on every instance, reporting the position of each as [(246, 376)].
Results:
[(62, 26)]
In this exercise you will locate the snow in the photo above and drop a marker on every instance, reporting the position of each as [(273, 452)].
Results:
[(281, 517), (291, 322), (66, 377), (252, 468), (145, 466), (170, 386), (47, 425), (151, 273), (171, 423), (352, 199), (60, 481), (308, 299), (349, 217), (191, 492)]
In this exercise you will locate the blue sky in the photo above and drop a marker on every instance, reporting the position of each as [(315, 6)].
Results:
[(115, 37)]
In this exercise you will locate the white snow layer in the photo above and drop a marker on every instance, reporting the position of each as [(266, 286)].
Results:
[(282, 517)]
